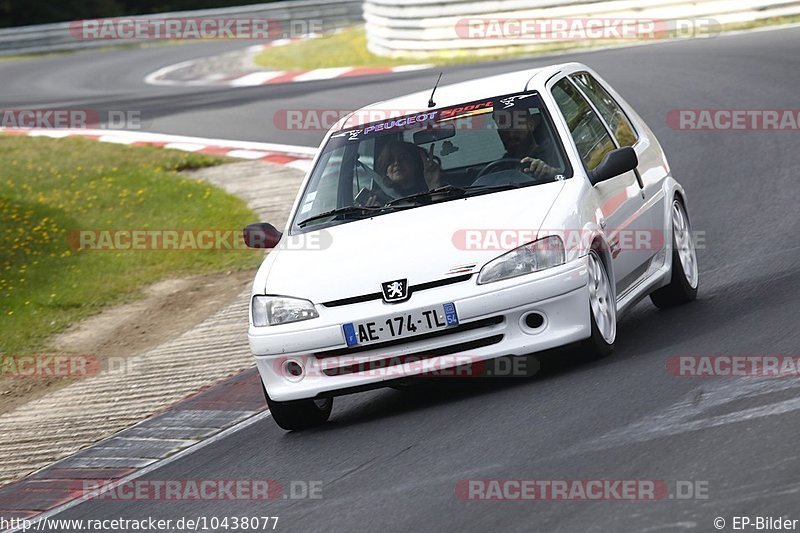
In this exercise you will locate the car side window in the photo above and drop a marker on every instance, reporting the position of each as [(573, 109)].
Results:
[(590, 135), (324, 182), (610, 110)]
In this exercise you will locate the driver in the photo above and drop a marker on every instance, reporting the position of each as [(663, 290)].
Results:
[(524, 139)]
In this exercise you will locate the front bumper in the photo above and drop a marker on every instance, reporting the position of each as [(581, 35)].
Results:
[(491, 324)]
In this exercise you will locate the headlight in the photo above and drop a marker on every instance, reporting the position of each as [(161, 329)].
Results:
[(275, 310), (532, 257)]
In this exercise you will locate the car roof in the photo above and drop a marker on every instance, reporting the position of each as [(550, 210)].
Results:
[(454, 94)]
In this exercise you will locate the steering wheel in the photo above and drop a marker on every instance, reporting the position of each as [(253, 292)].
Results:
[(506, 161)]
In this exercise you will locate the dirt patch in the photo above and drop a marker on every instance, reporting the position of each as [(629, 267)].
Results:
[(168, 308)]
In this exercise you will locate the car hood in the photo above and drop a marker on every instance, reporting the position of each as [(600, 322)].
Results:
[(422, 244)]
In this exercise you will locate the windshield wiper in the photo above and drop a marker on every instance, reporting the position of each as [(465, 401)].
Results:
[(446, 189), (346, 210), (492, 188), (455, 189)]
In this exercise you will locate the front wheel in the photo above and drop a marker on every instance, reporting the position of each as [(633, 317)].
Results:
[(685, 278), (602, 309), (299, 414)]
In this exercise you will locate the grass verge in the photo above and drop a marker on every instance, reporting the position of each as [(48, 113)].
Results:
[(50, 187), (344, 48)]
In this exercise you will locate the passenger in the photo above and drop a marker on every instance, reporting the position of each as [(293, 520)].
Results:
[(432, 169), (402, 173), (402, 168)]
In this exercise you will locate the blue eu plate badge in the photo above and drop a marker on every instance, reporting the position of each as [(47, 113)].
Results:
[(450, 314), (350, 334)]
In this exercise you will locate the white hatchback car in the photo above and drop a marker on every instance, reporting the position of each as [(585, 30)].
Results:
[(436, 231)]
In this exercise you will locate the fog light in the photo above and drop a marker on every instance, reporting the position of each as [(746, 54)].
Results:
[(534, 320), (293, 370)]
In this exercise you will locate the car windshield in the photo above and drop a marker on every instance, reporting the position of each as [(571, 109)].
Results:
[(429, 157)]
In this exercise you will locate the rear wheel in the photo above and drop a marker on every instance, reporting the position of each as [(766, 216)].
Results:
[(299, 414), (602, 309), (685, 278)]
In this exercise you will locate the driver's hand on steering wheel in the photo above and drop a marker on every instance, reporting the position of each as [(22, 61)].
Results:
[(537, 168)]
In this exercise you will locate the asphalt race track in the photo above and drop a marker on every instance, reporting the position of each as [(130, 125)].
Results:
[(390, 460)]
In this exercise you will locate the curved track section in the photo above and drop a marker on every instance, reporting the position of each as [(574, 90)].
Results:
[(392, 460)]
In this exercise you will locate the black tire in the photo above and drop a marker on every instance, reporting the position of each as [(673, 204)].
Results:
[(299, 414), (679, 291), (596, 347)]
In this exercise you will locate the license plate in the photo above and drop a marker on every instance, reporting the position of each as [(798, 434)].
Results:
[(401, 325)]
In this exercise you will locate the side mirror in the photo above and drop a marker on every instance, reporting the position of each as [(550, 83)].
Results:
[(615, 162), (261, 235)]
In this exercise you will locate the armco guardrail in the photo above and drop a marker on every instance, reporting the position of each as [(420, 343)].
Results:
[(426, 28), (57, 37)]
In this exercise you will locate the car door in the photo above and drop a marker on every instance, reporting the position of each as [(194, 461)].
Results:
[(620, 198), (652, 168)]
